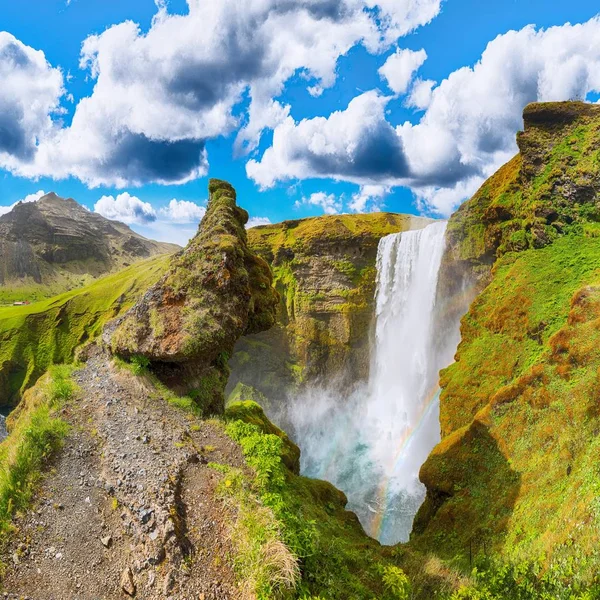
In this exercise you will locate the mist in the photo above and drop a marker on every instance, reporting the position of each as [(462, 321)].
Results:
[(371, 442)]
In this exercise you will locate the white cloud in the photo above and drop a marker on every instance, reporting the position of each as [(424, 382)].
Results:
[(420, 94), (356, 144), (29, 95), (29, 198), (125, 208), (330, 204), (467, 132), (399, 68), (183, 211), (160, 94), (257, 221), (369, 198)]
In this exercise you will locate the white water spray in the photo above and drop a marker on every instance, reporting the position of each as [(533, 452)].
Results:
[(373, 443)]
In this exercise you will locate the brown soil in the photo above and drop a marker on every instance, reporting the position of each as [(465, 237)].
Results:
[(129, 503)]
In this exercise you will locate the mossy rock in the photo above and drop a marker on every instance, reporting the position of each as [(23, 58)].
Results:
[(215, 291), (250, 412)]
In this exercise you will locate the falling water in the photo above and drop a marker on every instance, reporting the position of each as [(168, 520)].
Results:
[(373, 443)]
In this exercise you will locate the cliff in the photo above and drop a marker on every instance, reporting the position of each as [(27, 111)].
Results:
[(515, 475), (56, 243), (324, 270)]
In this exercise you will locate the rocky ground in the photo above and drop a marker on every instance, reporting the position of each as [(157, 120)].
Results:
[(128, 508)]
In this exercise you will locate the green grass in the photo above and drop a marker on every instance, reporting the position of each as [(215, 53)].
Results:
[(37, 434), (334, 558), (36, 336)]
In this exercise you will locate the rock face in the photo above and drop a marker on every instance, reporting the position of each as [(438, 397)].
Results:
[(324, 270), (215, 291), (514, 471), (56, 240)]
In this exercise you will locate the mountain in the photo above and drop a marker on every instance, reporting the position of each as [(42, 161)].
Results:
[(56, 242)]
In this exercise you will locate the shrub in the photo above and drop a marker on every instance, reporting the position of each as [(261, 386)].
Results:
[(395, 583), (139, 364)]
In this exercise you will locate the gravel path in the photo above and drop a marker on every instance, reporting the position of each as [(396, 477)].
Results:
[(128, 509)]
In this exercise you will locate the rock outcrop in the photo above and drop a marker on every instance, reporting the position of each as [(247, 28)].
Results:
[(324, 270), (56, 242), (214, 292)]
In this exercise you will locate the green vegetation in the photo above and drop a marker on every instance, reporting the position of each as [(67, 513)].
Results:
[(36, 336), (36, 435), (514, 484), (33, 292), (321, 550), (523, 581), (301, 235)]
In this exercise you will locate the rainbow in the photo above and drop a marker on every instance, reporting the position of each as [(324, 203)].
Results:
[(383, 496)]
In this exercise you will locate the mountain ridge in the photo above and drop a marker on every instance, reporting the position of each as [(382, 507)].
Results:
[(57, 242)]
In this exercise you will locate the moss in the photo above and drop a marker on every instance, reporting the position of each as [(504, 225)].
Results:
[(514, 476)]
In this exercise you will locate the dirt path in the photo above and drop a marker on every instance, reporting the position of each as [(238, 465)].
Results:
[(129, 508)]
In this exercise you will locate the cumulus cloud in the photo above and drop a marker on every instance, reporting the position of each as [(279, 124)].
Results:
[(183, 211), (125, 208), (160, 94), (356, 144), (399, 68), (369, 198), (420, 94), (330, 204), (29, 96), (466, 133), (29, 198), (257, 222)]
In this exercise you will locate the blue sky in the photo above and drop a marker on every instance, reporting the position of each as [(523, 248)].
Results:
[(159, 109)]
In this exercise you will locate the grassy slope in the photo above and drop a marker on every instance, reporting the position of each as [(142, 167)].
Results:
[(38, 432), (516, 475), (36, 336)]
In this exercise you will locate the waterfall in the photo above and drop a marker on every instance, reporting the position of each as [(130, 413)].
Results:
[(372, 443), (3, 432)]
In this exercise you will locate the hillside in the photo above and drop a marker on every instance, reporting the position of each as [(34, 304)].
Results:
[(55, 244), (324, 270), (48, 332), (516, 473)]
